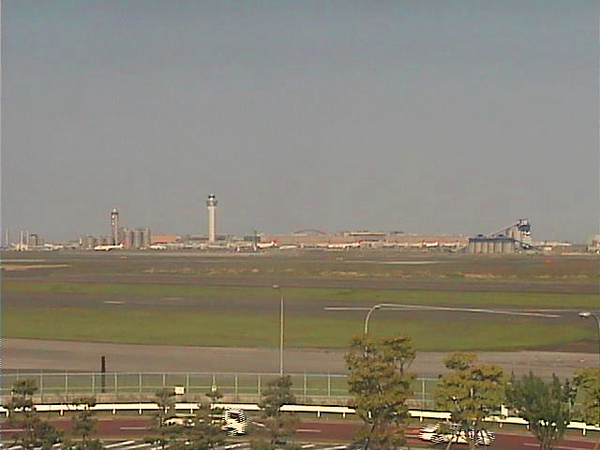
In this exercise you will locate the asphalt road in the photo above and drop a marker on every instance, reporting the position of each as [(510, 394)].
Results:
[(318, 431), (29, 354)]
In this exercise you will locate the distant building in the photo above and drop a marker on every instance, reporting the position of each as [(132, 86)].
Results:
[(165, 239), (114, 227), (491, 245), (34, 240), (594, 244), (88, 242), (211, 206), (119, 238), (135, 239)]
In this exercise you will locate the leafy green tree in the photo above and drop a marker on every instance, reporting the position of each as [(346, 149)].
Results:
[(214, 395), (470, 392), (203, 433), (200, 432), (21, 414), (84, 424), (280, 426), (380, 387), (587, 382), (546, 406), (162, 434)]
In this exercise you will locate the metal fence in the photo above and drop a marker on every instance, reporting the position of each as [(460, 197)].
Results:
[(236, 387)]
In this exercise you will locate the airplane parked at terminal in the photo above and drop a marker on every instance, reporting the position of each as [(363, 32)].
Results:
[(107, 248)]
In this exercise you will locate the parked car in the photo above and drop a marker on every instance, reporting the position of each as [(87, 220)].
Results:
[(443, 433), (181, 420), (233, 421)]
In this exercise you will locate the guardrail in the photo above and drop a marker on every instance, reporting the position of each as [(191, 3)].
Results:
[(317, 409)]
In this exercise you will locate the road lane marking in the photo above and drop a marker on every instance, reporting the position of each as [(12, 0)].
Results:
[(563, 447), (118, 444), (134, 428), (148, 444), (308, 430)]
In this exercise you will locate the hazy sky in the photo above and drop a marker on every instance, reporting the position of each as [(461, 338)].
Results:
[(423, 116)]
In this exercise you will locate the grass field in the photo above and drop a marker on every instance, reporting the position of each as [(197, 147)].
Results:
[(259, 330), (364, 296), (225, 301)]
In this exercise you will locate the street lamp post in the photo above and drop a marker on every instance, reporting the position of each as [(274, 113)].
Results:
[(398, 306), (281, 303), (368, 316), (585, 315)]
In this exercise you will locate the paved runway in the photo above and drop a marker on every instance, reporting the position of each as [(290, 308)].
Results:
[(29, 354)]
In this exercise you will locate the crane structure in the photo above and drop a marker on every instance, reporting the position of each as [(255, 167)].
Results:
[(520, 232)]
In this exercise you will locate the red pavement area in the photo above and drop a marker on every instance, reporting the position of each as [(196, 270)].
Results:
[(309, 431)]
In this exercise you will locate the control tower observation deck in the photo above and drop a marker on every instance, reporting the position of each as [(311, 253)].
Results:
[(211, 206)]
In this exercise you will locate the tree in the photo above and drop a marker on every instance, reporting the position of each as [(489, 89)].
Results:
[(199, 432), (22, 414), (84, 424), (546, 406), (380, 387), (277, 393), (204, 432), (470, 393), (163, 435), (587, 382)]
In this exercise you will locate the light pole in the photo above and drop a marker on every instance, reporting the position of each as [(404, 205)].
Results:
[(398, 306), (585, 315), (369, 313), (281, 303)]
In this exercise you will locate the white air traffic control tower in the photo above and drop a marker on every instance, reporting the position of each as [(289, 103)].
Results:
[(114, 226), (211, 206)]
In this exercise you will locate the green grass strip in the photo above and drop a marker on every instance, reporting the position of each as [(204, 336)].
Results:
[(366, 296), (250, 329)]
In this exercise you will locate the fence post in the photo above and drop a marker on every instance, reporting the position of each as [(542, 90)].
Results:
[(187, 382), (103, 376), (328, 385), (164, 379), (423, 394), (304, 396), (140, 385), (42, 386), (93, 383), (66, 386), (258, 386), (235, 384), (116, 386)]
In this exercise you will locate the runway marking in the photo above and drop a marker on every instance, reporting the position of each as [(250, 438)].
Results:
[(308, 446), (308, 430), (113, 302), (134, 428), (227, 447), (338, 447), (119, 444)]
